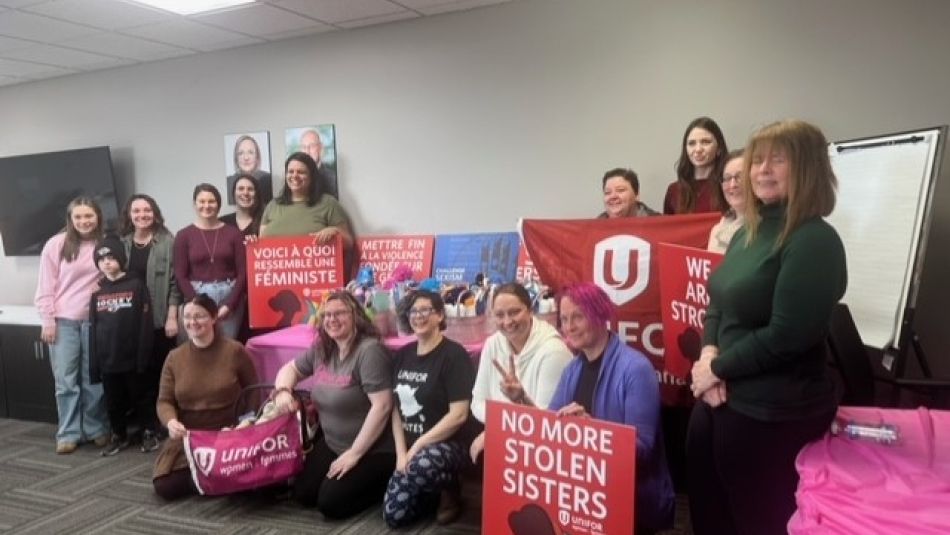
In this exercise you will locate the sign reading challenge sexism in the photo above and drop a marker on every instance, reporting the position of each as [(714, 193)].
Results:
[(550, 475), (287, 278)]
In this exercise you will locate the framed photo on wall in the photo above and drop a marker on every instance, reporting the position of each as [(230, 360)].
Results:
[(320, 143), (249, 153)]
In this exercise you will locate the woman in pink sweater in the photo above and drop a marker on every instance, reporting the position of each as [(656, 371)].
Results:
[(68, 277)]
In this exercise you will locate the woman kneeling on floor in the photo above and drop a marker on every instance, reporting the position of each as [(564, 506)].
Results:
[(347, 470), (201, 381), (434, 377)]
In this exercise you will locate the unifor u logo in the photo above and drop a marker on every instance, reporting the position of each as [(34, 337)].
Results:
[(204, 457), (622, 267)]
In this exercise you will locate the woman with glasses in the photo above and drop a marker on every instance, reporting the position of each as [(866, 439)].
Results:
[(201, 381), (352, 460), (698, 170), (611, 381), (433, 378), (732, 200), (524, 348)]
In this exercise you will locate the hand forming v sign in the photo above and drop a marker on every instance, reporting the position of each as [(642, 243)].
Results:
[(510, 384)]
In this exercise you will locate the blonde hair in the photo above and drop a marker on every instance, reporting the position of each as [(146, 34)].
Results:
[(812, 183)]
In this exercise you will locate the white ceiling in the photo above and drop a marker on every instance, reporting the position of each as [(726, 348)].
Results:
[(48, 38)]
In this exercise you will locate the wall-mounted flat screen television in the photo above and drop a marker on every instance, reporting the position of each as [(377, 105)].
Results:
[(35, 189)]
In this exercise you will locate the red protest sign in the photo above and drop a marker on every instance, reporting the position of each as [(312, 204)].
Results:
[(287, 277), (386, 253), (620, 256), (550, 475), (526, 269), (684, 275)]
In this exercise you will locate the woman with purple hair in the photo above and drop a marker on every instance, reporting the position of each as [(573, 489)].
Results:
[(609, 380)]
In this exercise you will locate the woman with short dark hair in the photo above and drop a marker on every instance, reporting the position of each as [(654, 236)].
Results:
[(622, 195), (433, 386)]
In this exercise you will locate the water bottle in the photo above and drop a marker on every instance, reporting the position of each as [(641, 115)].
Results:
[(882, 433)]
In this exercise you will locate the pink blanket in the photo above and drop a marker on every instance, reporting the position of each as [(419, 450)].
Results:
[(859, 487)]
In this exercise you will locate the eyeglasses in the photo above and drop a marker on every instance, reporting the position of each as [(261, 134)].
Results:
[(421, 313), (196, 317), (727, 178), (335, 314)]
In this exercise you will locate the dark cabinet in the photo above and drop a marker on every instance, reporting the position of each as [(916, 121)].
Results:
[(28, 389)]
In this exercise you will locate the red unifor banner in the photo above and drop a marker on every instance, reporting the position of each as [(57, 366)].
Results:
[(684, 298), (549, 475), (287, 278), (386, 253), (225, 462), (620, 255)]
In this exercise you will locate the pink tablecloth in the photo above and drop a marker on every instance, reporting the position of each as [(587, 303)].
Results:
[(272, 350), (855, 486)]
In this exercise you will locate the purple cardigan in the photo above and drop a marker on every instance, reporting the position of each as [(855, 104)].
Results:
[(628, 392)]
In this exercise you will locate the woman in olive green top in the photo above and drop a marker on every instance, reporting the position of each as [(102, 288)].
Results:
[(302, 208), (761, 374)]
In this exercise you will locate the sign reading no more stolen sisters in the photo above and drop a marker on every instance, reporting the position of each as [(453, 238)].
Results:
[(287, 278), (549, 475)]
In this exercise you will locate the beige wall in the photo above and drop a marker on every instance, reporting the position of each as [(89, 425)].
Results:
[(467, 121)]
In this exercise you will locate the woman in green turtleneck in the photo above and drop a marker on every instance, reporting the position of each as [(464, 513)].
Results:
[(761, 375)]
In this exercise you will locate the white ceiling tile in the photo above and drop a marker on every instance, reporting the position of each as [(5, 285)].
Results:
[(358, 23), (9, 43), (105, 14), (334, 11), (323, 28), (191, 34), (40, 28), (25, 69), (63, 57), (438, 7), (258, 19), (127, 47)]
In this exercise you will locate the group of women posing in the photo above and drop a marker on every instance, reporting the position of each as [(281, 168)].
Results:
[(760, 381), (206, 257)]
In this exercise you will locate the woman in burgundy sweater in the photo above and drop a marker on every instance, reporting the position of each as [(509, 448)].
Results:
[(209, 259)]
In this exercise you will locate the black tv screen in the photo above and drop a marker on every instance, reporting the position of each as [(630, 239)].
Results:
[(37, 187)]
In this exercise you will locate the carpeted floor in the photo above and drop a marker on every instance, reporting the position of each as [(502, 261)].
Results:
[(45, 493)]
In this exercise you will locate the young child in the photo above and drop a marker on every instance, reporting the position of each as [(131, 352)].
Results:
[(120, 346)]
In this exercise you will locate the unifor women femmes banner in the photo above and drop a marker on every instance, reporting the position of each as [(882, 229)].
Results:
[(287, 278), (546, 475), (621, 256)]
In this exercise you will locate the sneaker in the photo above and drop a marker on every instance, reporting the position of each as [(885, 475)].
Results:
[(450, 504), (150, 442), (64, 448), (115, 445), (101, 441)]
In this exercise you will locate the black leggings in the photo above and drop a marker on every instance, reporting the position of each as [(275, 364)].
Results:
[(361, 488), (175, 485), (742, 476)]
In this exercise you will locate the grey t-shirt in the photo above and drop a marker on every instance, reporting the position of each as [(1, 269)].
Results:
[(341, 387)]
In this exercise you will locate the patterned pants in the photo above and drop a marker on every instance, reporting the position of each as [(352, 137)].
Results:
[(427, 473)]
